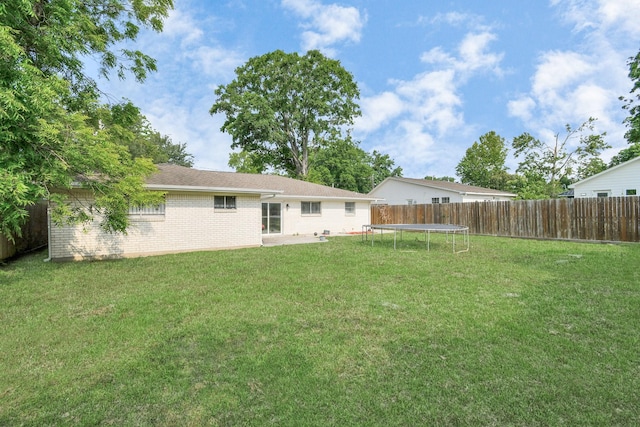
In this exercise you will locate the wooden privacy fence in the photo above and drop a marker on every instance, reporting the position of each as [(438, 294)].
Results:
[(34, 233), (604, 218)]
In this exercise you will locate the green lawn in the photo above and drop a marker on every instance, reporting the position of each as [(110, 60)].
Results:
[(514, 332)]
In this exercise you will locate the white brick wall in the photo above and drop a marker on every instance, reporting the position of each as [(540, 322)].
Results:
[(333, 217), (190, 223)]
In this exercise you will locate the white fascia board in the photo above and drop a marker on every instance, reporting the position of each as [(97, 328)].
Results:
[(472, 193), (314, 198), (197, 189)]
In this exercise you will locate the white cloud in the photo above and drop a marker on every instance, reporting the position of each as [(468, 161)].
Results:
[(571, 86), (601, 16), (474, 55), (437, 55), (216, 62), (456, 19), (378, 110), (558, 70), (326, 25), (428, 107), (183, 26), (522, 108)]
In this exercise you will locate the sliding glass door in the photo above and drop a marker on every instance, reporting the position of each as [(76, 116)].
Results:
[(271, 218)]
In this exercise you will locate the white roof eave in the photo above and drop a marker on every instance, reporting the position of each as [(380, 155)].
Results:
[(203, 189)]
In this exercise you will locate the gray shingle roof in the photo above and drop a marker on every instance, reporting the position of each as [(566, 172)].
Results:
[(453, 186), (188, 179)]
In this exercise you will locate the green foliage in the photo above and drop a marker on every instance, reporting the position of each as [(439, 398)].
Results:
[(483, 164), (625, 154), (440, 178), (342, 164), (247, 162), (50, 137), (633, 121), (130, 128), (383, 167), (560, 160), (345, 165), (281, 107), (528, 186)]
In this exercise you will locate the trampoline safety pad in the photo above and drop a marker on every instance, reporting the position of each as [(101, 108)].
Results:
[(450, 230)]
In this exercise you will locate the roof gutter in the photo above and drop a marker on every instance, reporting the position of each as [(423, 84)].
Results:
[(199, 189), (305, 197)]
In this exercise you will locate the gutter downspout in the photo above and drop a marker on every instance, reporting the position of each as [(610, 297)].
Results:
[(48, 232)]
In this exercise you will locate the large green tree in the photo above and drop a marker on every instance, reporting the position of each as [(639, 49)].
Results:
[(49, 138), (631, 103), (345, 165), (484, 163), (282, 106), (560, 160), (633, 120)]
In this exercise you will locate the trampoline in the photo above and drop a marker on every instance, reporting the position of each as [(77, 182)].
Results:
[(450, 230)]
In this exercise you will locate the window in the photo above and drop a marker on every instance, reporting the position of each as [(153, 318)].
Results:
[(631, 192), (224, 202), (435, 200), (147, 210), (602, 194), (310, 208), (350, 208), (445, 200)]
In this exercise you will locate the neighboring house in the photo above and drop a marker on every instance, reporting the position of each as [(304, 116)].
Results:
[(206, 210), (618, 181), (409, 191)]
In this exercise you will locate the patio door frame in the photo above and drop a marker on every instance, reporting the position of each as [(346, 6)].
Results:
[(266, 221)]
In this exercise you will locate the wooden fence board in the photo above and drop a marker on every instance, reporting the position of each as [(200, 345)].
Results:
[(34, 233), (605, 219)]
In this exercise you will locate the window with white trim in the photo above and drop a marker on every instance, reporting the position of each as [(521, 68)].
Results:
[(435, 200), (147, 210), (446, 200), (631, 192), (224, 202), (310, 208), (350, 208)]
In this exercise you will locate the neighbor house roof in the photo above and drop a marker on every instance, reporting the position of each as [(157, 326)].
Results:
[(180, 178), (462, 189), (606, 171)]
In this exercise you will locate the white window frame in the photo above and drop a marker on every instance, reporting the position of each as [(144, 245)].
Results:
[(435, 200), (350, 208), (158, 209), (311, 208), (225, 203)]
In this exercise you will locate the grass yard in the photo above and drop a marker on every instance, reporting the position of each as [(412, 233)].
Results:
[(514, 332)]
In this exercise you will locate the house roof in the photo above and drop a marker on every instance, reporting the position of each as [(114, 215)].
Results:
[(462, 189), (180, 178), (606, 171)]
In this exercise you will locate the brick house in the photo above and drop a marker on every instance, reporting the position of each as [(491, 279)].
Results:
[(206, 210)]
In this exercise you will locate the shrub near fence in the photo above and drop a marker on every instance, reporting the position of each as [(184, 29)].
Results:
[(34, 233), (605, 218)]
